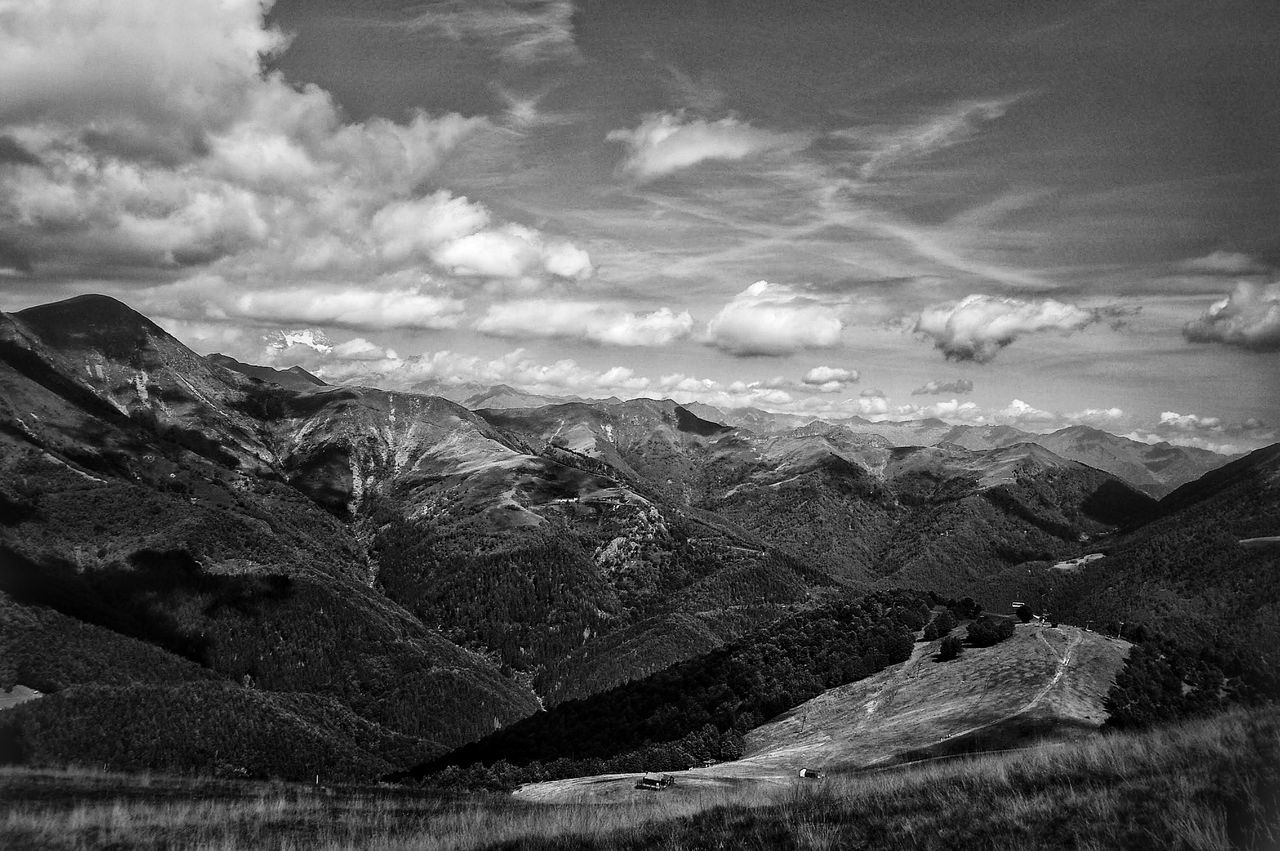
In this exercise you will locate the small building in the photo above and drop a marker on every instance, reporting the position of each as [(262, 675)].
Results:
[(811, 773), (655, 782)]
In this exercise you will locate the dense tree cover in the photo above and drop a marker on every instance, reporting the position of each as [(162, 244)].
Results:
[(695, 748), (207, 727), (46, 650), (736, 687), (529, 597), (988, 630), (536, 594), (1164, 681)]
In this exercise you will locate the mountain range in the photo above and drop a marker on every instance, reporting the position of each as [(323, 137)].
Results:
[(393, 575)]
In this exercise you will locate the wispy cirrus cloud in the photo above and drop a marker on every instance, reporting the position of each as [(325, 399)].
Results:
[(524, 32), (666, 142), (943, 130), (1224, 263)]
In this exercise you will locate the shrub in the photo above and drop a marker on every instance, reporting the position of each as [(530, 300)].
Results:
[(950, 648)]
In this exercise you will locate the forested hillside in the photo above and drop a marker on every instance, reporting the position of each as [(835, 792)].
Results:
[(699, 708)]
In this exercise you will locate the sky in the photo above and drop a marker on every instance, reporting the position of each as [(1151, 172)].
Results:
[(1026, 213)]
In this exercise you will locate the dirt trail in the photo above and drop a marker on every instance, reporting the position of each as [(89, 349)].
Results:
[(1052, 676)]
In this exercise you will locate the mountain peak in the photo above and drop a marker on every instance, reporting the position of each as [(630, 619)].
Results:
[(91, 321)]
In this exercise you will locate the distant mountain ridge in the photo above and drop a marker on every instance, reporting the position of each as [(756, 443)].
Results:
[(1155, 469), (293, 378)]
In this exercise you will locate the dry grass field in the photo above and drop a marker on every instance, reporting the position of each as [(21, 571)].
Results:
[(1043, 683), (1210, 784)]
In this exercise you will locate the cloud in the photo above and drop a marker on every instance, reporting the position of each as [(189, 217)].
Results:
[(394, 302), (585, 321), (1174, 421), (668, 142), (935, 387), (978, 326), (523, 32), (1206, 432), (941, 131), (1016, 413), (148, 139), (512, 251), (825, 374), (1248, 318), (773, 319), (829, 379), (1224, 263)]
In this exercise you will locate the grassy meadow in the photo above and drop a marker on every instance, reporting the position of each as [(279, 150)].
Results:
[(1208, 784)]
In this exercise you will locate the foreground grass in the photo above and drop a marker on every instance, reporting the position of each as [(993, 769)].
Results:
[(1211, 784)]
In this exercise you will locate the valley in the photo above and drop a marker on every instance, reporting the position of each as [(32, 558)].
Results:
[(562, 597)]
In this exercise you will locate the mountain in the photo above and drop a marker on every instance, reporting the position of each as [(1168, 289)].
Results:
[(504, 396), (1183, 573), (1155, 469), (144, 501), (293, 378), (397, 570)]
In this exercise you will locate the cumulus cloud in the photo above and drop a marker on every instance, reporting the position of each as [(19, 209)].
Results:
[(148, 137), (1016, 413), (978, 326), (586, 321), (829, 379), (773, 319), (512, 252), (665, 142), (1248, 318), (825, 374), (935, 387), (1204, 431)]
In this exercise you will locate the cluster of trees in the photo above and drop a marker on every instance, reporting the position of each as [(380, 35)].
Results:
[(734, 688), (988, 630), (1164, 681)]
